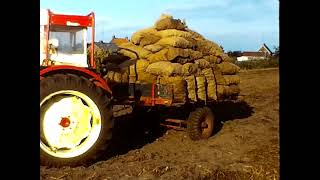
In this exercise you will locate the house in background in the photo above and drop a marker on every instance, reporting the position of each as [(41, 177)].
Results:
[(263, 53), (119, 41)]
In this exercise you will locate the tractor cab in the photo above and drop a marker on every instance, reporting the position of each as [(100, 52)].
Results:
[(63, 39)]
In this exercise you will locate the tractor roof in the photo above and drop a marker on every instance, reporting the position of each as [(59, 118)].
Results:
[(65, 19)]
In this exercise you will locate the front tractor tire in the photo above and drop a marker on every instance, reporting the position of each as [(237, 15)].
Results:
[(200, 124), (75, 121)]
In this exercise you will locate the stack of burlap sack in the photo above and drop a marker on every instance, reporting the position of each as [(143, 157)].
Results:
[(170, 53)]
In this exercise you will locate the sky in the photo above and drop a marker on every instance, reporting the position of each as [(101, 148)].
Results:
[(237, 25)]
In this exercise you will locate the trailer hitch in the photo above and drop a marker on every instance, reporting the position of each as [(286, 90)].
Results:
[(176, 124)]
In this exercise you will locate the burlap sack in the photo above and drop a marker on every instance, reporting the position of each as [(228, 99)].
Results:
[(177, 69), (148, 39), (179, 87), (227, 91), (153, 48), (141, 65), (193, 54), (133, 75), (211, 83), (118, 77), (221, 91), (202, 63), (146, 78), (204, 47), (231, 79), (162, 55), (217, 53), (228, 68), (178, 42), (181, 60), (211, 88), (169, 23), (174, 32), (176, 52), (208, 47), (113, 76), (213, 59), (162, 68), (233, 90), (129, 54), (207, 72), (171, 53), (191, 88), (189, 69), (142, 53), (139, 35), (201, 88), (218, 75), (193, 41), (225, 57)]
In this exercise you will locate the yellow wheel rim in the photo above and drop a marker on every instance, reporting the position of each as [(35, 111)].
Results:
[(70, 124)]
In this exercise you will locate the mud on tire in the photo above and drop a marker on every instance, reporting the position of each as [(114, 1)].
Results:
[(200, 123), (60, 83)]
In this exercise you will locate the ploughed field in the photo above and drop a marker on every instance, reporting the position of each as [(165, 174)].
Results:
[(244, 146)]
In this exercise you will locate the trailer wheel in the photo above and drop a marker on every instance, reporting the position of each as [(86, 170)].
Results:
[(200, 123), (75, 121)]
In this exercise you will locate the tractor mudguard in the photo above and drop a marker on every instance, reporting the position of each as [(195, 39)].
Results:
[(78, 70)]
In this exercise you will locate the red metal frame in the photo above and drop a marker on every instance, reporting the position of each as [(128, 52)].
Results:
[(92, 61), (47, 28), (150, 101), (63, 20), (83, 21), (97, 79), (152, 94)]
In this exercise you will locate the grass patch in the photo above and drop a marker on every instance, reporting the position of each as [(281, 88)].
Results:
[(258, 63)]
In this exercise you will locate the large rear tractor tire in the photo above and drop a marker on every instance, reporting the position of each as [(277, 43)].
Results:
[(200, 124), (75, 121)]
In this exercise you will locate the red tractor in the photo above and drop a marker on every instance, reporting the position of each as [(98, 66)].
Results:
[(76, 117)]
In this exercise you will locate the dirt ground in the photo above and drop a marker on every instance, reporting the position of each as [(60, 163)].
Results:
[(245, 146)]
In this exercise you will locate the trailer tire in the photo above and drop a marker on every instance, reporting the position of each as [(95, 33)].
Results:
[(82, 137), (200, 124)]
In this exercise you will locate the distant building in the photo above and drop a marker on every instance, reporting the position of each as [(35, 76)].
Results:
[(263, 53), (119, 41)]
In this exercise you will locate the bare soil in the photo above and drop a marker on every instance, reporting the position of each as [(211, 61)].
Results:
[(245, 145)]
